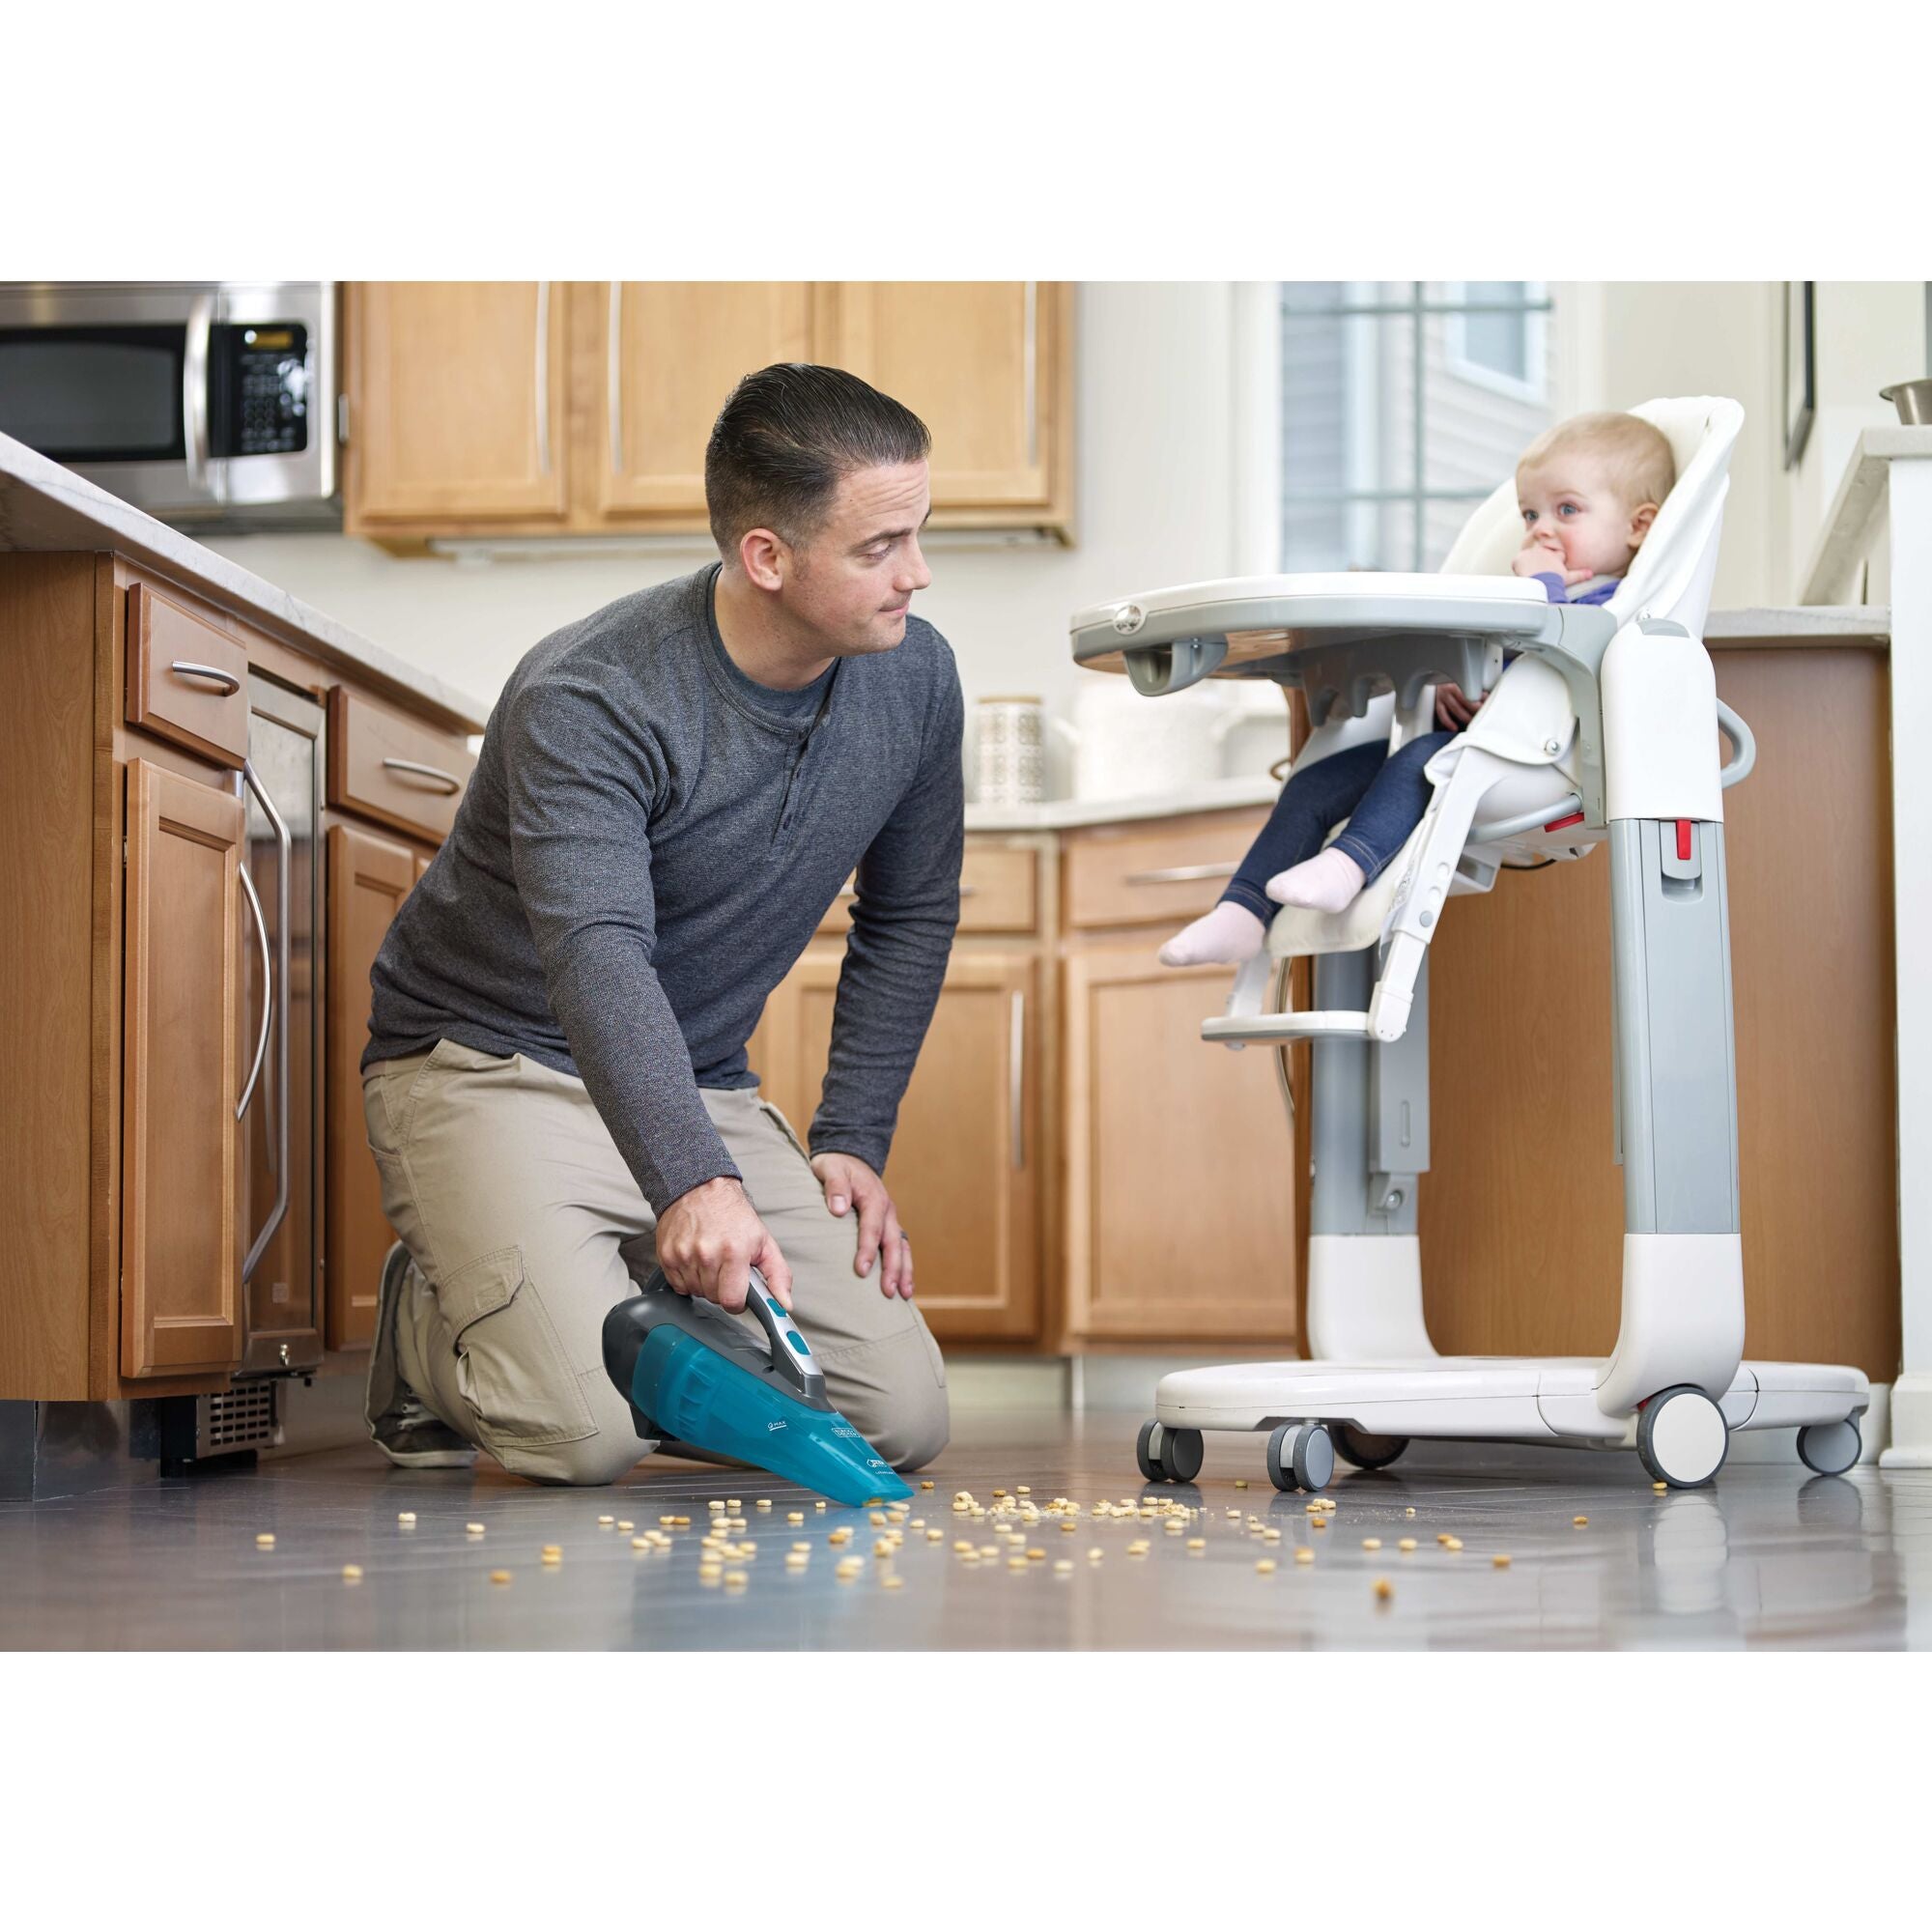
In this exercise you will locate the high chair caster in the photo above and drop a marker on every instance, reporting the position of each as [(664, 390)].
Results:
[(1830, 1448), (1300, 1456), (1682, 1438), (1169, 1455), (1366, 1451)]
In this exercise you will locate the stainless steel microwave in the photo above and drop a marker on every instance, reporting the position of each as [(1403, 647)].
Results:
[(196, 401)]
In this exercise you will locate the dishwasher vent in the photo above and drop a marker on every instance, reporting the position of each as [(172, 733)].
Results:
[(240, 1418), (203, 1428)]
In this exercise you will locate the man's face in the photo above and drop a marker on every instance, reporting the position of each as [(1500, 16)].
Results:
[(851, 584), (1571, 506)]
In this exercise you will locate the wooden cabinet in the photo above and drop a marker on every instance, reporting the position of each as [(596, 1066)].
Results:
[(393, 769), (459, 404), (982, 364), (480, 408), (1180, 1173), (668, 355), (181, 1227), (368, 880)]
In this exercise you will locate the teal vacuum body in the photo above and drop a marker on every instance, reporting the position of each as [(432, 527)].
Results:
[(692, 1372)]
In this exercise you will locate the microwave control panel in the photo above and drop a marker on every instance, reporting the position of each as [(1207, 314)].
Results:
[(258, 385)]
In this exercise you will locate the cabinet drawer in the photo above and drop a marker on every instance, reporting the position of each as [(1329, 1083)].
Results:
[(998, 893), (1127, 875), (187, 681), (390, 769)]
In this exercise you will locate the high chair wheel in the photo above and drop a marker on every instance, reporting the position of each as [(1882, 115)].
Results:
[(1366, 1451), (1300, 1456), (1143, 1453), (1831, 1448), (1682, 1438), (1180, 1454)]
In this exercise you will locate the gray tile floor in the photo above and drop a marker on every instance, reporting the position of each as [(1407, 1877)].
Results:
[(1769, 1557)]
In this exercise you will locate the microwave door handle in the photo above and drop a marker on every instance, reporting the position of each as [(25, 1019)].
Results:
[(194, 391), (284, 847)]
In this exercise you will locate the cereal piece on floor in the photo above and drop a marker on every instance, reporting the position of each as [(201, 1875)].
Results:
[(406, 1515), (1408, 1511), (1580, 1521), (1661, 1489), (1372, 1542), (1407, 1545), (641, 1543), (352, 1572), (1385, 1589), (794, 1515), (1094, 1552), (1304, 1554), (1241, 1482), (473, 1529), (605, 1521), (1500, 1560), (266, 1540), (500, 1576), (1266, 1567), (552, 1553)]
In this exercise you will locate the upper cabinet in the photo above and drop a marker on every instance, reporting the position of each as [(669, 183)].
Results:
[(494, 409), (459, 404), (981, 362), (670, 354)]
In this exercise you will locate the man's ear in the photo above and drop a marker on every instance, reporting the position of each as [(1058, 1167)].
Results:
[(765, 558), (1641, 519)]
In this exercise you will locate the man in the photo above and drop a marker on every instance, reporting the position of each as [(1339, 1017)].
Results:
[(671, 794)]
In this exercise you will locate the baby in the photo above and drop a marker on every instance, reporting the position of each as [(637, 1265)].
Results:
[(1589, 491)]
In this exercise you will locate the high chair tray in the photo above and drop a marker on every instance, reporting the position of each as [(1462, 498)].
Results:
[(1267, 615)]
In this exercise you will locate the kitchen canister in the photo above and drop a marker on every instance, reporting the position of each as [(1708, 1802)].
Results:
[(1124, 744), (1010, 750)]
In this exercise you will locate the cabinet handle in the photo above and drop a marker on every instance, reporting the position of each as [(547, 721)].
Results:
[(1032, 355), (268, 989), (449, 779), (226, 679), (1175, 875), (1016, 1078), (542, 379), (278, 988), (194, 390), (615, 380)]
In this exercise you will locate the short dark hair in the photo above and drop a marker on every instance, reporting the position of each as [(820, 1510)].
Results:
[(785, 438)]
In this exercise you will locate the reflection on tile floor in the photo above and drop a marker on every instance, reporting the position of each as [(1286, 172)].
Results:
[(1772, 1557)]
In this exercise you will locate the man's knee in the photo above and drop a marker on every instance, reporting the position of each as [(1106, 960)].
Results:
[(910, 1425), (605, 1456)]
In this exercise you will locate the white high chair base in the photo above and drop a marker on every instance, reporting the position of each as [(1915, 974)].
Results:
[(1601, 731), (1381, 1407)]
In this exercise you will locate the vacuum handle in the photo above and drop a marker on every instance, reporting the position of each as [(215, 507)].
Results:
[(791, 1352)]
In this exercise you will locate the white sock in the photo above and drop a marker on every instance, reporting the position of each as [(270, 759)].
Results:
[(1328, 882), (1228, 936)]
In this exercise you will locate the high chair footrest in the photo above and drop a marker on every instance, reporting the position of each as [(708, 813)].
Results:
[(1338, 1024)]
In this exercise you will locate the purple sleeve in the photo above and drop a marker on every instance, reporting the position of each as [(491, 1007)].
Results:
[(1553, 586)]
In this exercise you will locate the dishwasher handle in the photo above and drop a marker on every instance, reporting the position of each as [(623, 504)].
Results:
[(278, 993)]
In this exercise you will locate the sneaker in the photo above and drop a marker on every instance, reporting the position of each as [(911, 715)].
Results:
[(399, 1420)]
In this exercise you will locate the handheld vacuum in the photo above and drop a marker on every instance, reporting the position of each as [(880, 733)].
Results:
[(692, 1372)]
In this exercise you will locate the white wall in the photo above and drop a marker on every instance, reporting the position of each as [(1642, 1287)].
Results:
[(1155, 503), (1633, 340)]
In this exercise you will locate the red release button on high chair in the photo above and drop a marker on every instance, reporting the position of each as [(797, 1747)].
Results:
[(1682, 839)]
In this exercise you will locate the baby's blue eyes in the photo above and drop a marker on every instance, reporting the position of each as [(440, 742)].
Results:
[(1566, 509)]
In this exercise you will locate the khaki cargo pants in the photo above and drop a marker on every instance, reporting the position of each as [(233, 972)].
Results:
[(526, 1227)]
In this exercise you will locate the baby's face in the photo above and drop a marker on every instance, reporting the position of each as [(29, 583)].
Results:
[(1570, 506)]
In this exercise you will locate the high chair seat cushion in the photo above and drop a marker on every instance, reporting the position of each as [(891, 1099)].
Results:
[(1299, 931)]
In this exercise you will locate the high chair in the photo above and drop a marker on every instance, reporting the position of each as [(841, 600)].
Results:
[(1600, 729)]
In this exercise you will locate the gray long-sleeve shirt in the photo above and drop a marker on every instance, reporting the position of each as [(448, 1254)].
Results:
[(647, 846)]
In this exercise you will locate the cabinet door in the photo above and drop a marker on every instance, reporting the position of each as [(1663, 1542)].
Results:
[(181, 1227), (1179, 1206), (457, 402), (966, 1159), (980, 363), (368, 879), (669, 354)]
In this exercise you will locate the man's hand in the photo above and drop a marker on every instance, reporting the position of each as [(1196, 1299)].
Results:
[(710, 1239), (850, 1183)]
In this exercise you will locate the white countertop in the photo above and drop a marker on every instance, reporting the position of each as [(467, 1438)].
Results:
[(46, 507), (1065, 815)]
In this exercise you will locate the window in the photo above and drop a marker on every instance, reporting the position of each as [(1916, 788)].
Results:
[(1403, 405)]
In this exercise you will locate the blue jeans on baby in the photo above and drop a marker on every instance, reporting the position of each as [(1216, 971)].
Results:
[(1382, 797)]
